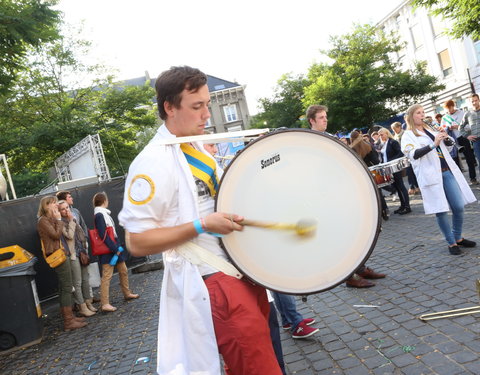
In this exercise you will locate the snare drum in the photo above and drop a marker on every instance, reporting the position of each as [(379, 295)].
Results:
[(397, 165), (382, 175), (292, 175)]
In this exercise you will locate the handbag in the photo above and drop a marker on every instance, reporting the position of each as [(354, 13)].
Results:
[(84, 259), (56, 258), (98, 245)]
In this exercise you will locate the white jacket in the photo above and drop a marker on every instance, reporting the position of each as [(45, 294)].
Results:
[(167, 197), (429, 173)]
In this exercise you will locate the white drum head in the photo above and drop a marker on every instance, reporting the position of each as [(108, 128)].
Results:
[(292, 175)]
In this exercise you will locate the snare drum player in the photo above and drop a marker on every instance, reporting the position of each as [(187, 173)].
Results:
[(169, 200), (318, 120)]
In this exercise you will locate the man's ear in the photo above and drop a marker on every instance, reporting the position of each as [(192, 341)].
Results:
[(168, 107)]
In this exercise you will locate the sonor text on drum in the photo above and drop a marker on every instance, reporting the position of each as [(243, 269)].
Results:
[(267, 162)]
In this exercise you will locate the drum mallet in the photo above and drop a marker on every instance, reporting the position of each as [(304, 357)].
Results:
[(304, 227)]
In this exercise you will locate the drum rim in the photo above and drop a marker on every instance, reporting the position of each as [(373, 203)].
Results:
[(362, 163)]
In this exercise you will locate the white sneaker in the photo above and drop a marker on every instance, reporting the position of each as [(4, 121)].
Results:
[(394, 197)]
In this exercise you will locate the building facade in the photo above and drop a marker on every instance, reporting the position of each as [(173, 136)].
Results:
[(455, 62), (228, 106)]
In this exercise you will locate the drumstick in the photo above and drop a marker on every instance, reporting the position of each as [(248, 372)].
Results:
[(304, 227)]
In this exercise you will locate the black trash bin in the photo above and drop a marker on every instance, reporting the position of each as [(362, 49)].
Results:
[(20, 313)]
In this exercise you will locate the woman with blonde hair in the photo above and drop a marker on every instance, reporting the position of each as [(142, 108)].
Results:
[(103, 220), (391, 150), (49, 227), (442, 183)]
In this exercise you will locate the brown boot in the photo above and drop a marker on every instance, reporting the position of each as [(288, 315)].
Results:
[(79, 319), (69, 322), (85, 311), (90, 306)]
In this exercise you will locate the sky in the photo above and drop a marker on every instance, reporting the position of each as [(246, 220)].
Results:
[(252, 42)]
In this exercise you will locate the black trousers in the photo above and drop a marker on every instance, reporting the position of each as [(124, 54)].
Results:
[(469, 156), (401, 190)]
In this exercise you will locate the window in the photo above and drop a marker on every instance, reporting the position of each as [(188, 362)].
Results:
[(461, 103), (416, 36), (437, 28), (230, 112), (445, 63)]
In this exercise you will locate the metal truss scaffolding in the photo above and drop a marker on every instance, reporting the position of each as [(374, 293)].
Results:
[(90, 146)]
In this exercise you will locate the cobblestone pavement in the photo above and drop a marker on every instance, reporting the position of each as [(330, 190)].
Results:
[(388, 339)]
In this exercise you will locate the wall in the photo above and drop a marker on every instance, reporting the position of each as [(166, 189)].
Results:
[(18, 226)]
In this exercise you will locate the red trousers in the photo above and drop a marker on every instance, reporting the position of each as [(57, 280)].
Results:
[(240, 313)]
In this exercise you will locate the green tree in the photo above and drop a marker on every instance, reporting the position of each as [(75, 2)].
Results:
[(363, 84), (285, 109), (125, 120), (58, 101), (24, 24), (464, 14)]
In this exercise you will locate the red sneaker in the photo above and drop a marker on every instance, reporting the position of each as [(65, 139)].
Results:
[(304, 331), (307, 321)]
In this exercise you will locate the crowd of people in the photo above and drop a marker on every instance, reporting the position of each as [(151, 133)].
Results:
[(61, 227)]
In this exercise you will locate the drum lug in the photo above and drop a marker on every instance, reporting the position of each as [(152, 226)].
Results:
[(304, 298)]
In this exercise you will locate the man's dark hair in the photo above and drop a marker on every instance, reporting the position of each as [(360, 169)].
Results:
[(474, 96), (172, 82), (62, 195)]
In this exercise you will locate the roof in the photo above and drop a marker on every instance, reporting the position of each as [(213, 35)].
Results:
[(218, 84), (214, 83)]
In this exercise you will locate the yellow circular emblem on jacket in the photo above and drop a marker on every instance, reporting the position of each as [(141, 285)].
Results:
[(141, 189), (409, 147)]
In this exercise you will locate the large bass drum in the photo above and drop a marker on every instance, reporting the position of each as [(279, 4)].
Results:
[(294, 175)]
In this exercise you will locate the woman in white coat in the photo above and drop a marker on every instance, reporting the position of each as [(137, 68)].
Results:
[(439, 178)]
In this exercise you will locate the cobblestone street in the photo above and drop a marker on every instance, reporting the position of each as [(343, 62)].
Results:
[(422, 277)]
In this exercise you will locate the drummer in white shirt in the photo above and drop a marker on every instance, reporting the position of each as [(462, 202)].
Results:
[(167, 204)]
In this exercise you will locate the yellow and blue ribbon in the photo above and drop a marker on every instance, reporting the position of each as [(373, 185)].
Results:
[(202, 167)]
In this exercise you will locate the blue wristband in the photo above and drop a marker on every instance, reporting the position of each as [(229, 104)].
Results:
[(198, 226)]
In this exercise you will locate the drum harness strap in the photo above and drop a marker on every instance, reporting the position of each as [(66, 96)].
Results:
[(201, 166), (197, 255)]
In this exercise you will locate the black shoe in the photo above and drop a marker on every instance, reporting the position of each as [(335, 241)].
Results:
[(385, 215), (454, 250), (398, 211), (406, 210), (466, 243)]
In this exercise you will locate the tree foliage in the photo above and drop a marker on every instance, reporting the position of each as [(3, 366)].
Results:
[(285, 109), (24, 24), (464, 14), (58, 101), (363, 84)]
